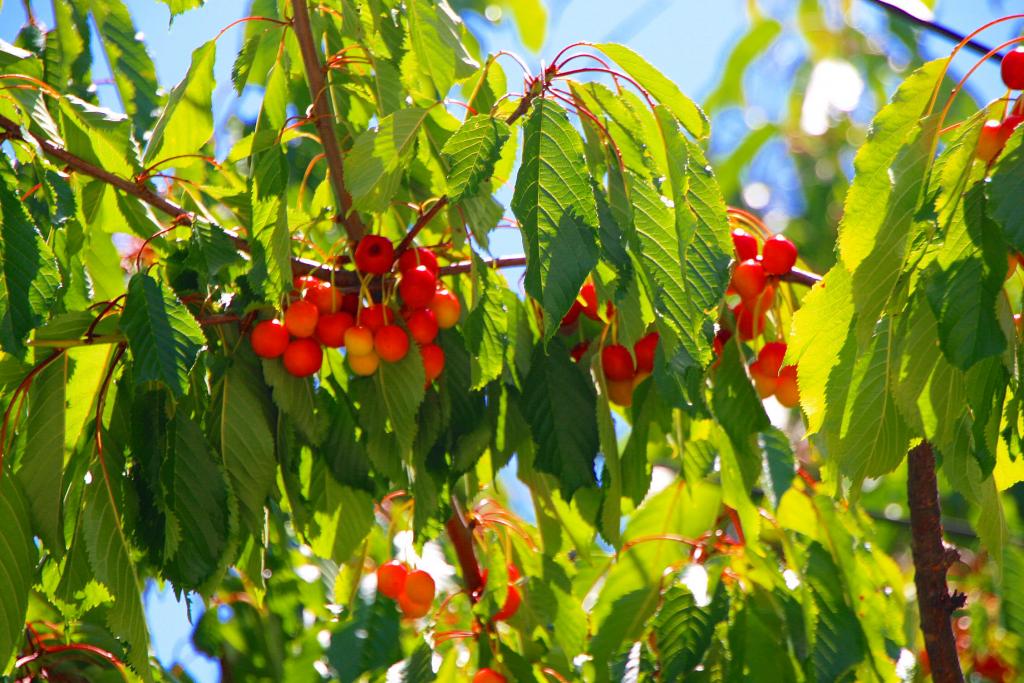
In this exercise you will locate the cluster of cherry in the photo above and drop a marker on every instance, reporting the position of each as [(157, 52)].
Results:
[(623, 370), (754, 280), (996, 132), (320, 315)]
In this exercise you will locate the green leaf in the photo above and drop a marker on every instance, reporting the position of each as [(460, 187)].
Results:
[(890, 171), (295, 397), (132, 68), (418, 667), (729, 91), (268, 187), (368, 641), (17, 566), (661, 87), (471, 153), (485, 330), (435, 35), (181, 6), (838, 641), (779, 465), (198, 498), (343, 517), (556, 209), (111, 562), (632, 612), (558, 402), (10, 54), (186, 123), (378, 159), (1005, 188), (965, 282), (756, 653), (29, 279), (736, 404), (41, 476), (162, 335), (683, 630), (246, 440)]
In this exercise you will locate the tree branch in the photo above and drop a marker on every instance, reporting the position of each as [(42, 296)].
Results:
[(931, 25), (323, 119), (932, 558), (462, 540)]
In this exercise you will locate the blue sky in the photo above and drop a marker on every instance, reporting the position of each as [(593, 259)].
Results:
[(687, 40)]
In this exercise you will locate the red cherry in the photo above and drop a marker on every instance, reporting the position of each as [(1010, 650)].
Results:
[(644, 350), (512, 601), (748, 279), (376, 316), (721, 338), (779, 255), (745, 245), (331, 328), (374, 255), (326, 298), (302, 283), (765, 381), (786, 390), (420, 256), (446, 308), (391, 343), (391, 579), (620, 392), (589, 295), (577, 351), (419, 586), (513, 573), (1012, 68), (770, 357), (359, 340), (422, 326), (363, 365), (1009, 124), (746, 325), (303, 357), (573, 315), (417, 287), (300, 318), (433, 361), (412, 609), (269, 339), (990, 141), (617, 363), (488, 676)]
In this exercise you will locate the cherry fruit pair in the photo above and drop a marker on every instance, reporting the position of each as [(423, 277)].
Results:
[(413, 590)]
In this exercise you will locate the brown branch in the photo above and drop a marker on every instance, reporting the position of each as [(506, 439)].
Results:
[(424, 218), (932, 558), (323, 118), (801, 277), (462, 540)]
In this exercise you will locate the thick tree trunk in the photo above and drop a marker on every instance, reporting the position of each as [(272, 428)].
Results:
[(932, 558)]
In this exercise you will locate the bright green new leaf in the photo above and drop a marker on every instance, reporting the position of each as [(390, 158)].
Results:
[(162, 335), (186, 123), (555, 206), (472, 152), (434, 31), (660, 87), (378, 159)]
